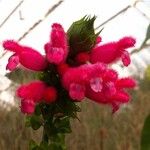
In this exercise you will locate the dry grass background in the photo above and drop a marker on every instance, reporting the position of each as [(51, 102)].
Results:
[(98, 129)]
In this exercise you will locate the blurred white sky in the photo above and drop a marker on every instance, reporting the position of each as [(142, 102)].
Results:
[(132, 23)]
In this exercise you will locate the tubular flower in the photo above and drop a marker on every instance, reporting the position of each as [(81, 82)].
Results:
[(57, 50), (112, 91), (50, 94), (26, 56), (33, 90), (27, 106), (76, 79), (82, 58), (33, 93), (110, 52), (125, 83), (113, 96), (30, 94)]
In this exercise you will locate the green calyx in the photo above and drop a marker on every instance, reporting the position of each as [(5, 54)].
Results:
[(82, 36)]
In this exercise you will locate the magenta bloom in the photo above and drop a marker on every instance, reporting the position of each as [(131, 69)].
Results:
[(57, 50), (33, 90), (112, 93), (76, 79), (30, 94), (27, 106), (110, 52), (125, 83), (26, 56)]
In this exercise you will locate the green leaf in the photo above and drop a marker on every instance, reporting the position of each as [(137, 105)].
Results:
[(35, 122), (21, 76), (81, 35), (33, 145), (56, 146), (68, 107), (147, 37), (27, 121), (62, 125), (43, 146), (145, 137), (37, 110)]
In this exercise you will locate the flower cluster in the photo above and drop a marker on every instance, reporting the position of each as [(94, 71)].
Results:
[(76, 64)]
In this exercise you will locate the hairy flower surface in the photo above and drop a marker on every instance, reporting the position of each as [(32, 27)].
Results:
[(110, 52), (33, 90), (27, 106), (26, 56), (57, 49)]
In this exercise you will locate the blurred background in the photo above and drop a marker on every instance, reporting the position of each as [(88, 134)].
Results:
[(30, 22)]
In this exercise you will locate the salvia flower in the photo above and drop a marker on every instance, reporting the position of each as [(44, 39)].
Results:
[(26, 56), (75, 79), (57, 49), (33, 93), (110, 52)]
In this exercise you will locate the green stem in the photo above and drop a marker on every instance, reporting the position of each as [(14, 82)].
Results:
[(45, 137)]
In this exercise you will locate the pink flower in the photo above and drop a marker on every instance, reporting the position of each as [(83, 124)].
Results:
[(110, 52), (30, 94), (26, 56), (27, 106), (125, 83), (110, 75), (112, 90), (50, 95), (13, 62), (62, 68), (115, 98), (82, 58), (98, 40), (33, 91), (75, 79), (77, 91), (57, 50)]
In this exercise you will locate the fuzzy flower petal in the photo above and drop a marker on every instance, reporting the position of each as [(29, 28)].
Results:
[(55, 55), (28, 57), (126, 42), (12, 46), (106, 53), (56, 49), (110, 75), (125, 83), (77, 91), (110, 89), (82, 58), (121, 97), (27, 106), (50, 95), (96, 84), (125, 58), (33, 90), (13, 61), (111, 52), (98, 40), (32, 59)]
